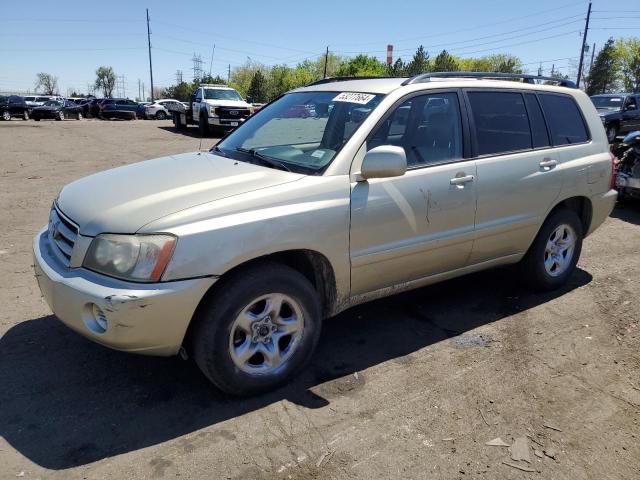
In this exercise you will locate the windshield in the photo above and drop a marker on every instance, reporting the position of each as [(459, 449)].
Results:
[(221, 94), (52, 103), (303, 130), (608, 103)]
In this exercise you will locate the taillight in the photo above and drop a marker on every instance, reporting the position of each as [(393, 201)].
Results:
[(614, 169)]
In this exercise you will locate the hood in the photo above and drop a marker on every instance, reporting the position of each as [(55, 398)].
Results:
[(228, 103), (125, 199)]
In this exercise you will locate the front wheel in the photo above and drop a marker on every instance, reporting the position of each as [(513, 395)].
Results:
[(258, 330), (6, 115), (161, 115), (60, 115), (203, 124), (25, 115), (553, 256), (612, 133), (79, 115)]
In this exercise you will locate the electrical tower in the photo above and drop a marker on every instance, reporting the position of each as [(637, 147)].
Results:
[(178, 77), (121, 87), (197, 66)]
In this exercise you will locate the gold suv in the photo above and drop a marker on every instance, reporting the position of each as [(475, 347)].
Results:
[(337, 193)]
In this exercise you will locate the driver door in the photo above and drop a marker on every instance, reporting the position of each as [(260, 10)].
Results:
[(422, 223), (195, 105)]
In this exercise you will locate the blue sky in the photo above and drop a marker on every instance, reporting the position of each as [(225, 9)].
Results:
[(72, 38)]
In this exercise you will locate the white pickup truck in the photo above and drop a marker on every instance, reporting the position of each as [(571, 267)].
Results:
[(214, 108)]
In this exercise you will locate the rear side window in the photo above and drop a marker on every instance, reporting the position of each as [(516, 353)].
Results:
[(501, 123), (564, 119), (539, 135)]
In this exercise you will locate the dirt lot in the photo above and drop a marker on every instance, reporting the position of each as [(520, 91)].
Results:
[(408, 387)]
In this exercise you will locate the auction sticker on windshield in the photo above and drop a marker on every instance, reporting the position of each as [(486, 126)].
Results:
[(354, 97)]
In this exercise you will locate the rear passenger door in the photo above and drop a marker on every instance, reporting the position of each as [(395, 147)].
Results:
[(518, 175), (420, 224)]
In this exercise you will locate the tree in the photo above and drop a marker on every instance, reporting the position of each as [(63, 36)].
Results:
[(258, 88), (602, 77), (105, 80), (362, 66), (181, 91), (445, 62), (398, 69), (47, 82), (628, 54), (420, 62)]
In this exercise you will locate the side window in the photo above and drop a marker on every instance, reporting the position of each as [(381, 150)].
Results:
[(501, 122), (539, 134), (632, 104), (428, 127), (199, 94), (565, 121)]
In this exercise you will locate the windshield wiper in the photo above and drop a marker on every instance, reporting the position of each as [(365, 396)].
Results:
[(264, 159)]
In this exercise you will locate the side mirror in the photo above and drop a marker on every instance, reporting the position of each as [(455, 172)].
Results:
[(249, 100), (383, 162)]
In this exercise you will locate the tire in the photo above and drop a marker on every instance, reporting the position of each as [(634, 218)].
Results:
[(161, 115), (60, 115), (25, 115), (79, 116), (177, 122), (203, 125), (37, 119), (220, 333), (545, 268), (6, 115), (612, 132)]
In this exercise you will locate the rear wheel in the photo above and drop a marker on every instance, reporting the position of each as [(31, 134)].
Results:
[(554, 253), (60, 115), (6, 115), (161, 115), (79, 115), (258, 330)]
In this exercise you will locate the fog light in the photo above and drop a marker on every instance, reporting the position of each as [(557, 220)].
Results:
[(95, 319)]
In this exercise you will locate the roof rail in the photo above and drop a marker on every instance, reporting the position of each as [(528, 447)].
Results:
[(342, 79), (213, 85), (426, 77)]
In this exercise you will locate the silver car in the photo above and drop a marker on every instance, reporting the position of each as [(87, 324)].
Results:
[(236, 256)]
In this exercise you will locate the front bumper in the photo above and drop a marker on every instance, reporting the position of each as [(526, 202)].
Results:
[(226, 122), (143, 318)]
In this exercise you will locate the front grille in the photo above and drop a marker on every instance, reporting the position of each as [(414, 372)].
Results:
[(62, 235), (231, 113)]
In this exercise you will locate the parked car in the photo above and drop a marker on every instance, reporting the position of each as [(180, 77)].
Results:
[(121, 108), (57, 110), (236, 256), (619, 112), (92, 107), (160, 108), (628, 170), (35, 101), (13, 106)]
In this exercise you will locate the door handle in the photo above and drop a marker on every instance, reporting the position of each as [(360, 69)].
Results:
[(461, 181), (548, 164)]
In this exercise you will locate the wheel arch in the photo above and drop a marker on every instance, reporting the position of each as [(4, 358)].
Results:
[(581, 205), (313, 265)]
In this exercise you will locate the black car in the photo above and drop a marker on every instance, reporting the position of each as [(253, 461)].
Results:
[(13, 106), (620, 112), (58, 110), (121, 108)]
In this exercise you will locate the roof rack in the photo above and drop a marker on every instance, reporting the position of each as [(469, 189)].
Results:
[(213, 85), (343, 79), (426, 77)]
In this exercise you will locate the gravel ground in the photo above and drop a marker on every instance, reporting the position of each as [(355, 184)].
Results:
[(412, 386)]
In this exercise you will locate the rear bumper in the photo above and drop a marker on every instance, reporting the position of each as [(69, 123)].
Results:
[(142, 318), (602, 206)]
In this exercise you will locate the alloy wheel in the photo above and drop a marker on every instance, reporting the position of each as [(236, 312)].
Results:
[(266, 333), (559, 250)]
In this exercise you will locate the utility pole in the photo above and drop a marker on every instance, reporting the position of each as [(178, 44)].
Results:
[(139, 95), (584, 43), (593, 53), (213, 50), (144, 98), (149, 43), (326, 60), (229, 74)]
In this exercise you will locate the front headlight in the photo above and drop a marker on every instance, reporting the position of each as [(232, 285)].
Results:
[(140, 258), (212, 111)]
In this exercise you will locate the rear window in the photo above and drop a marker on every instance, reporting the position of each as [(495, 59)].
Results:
[(501, 123), (564, 119)]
